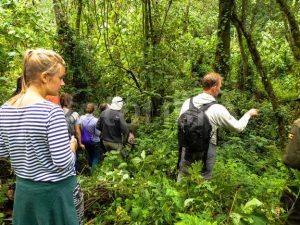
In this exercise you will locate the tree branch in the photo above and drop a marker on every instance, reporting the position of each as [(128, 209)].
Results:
[(132, 76)]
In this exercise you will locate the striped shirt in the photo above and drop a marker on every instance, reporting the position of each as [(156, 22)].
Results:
[(35, 139)]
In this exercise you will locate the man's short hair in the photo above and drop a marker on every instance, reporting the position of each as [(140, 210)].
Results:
[(210, 80), (104, 106), (89, 108)]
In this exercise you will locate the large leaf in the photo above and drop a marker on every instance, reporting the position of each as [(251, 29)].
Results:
[(251, 205)]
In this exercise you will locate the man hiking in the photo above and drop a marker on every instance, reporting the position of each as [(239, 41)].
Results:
[(114, 129), (216, 116)]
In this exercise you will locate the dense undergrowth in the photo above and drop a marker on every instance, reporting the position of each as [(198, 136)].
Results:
[(115, 59), (246, 186)]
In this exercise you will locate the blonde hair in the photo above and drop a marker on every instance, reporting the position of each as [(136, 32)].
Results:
[(211, 79), (35, 62)]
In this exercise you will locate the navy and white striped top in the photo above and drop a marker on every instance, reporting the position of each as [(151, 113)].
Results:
[(35, 138)]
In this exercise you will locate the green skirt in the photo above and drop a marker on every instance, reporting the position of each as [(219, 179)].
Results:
[(45, 203)]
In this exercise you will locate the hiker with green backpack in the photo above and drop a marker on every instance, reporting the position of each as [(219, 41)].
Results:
[(72, 117), (73, 123), (199, 119)]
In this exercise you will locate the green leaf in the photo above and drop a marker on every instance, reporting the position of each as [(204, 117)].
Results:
[(259, 220), (251, 205), (143, 154), (12, 54), (135, 212), (188, 202), (236, 218), (136, 160)]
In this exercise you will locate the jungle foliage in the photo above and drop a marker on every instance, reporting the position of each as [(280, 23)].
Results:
[(153, 53)]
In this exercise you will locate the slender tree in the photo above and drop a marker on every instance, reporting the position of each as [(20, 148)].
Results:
[(66, 38), (186, 16), (222, 54), (243, 78), (293, 32), (153, 32), (264, 77), (78, 17)]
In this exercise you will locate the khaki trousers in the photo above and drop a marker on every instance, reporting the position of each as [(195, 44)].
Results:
[(112, 146)]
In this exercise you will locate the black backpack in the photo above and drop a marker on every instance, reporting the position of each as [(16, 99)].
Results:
[(194, 132)]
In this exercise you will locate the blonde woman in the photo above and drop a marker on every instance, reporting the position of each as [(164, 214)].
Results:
[(34, 136)]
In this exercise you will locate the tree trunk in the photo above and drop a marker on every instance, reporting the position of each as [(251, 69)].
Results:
[(243, 78), (146, 28), (65, 33), (265, 80), (294, 32), (186, 16), (153, 31), (78, 18), (254, 16), (68, 46), (222, 54)]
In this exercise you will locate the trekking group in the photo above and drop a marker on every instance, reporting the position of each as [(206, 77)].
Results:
[(87, 128), (41, 138)]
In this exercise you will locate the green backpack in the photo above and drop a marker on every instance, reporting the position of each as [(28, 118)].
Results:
[(70, 122)]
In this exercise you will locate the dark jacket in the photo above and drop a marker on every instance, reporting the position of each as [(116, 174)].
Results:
[(292, 152), (112, 126)]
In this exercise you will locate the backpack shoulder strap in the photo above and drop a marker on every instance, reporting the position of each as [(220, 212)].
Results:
[(207, 105), (69, 113), (90, 120), (191, 105)]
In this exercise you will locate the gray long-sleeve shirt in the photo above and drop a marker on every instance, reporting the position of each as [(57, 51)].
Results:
[(218, 115)]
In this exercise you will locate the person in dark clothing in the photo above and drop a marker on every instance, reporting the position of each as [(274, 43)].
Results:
[(291, 158), (102, 108), (114, 129)]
